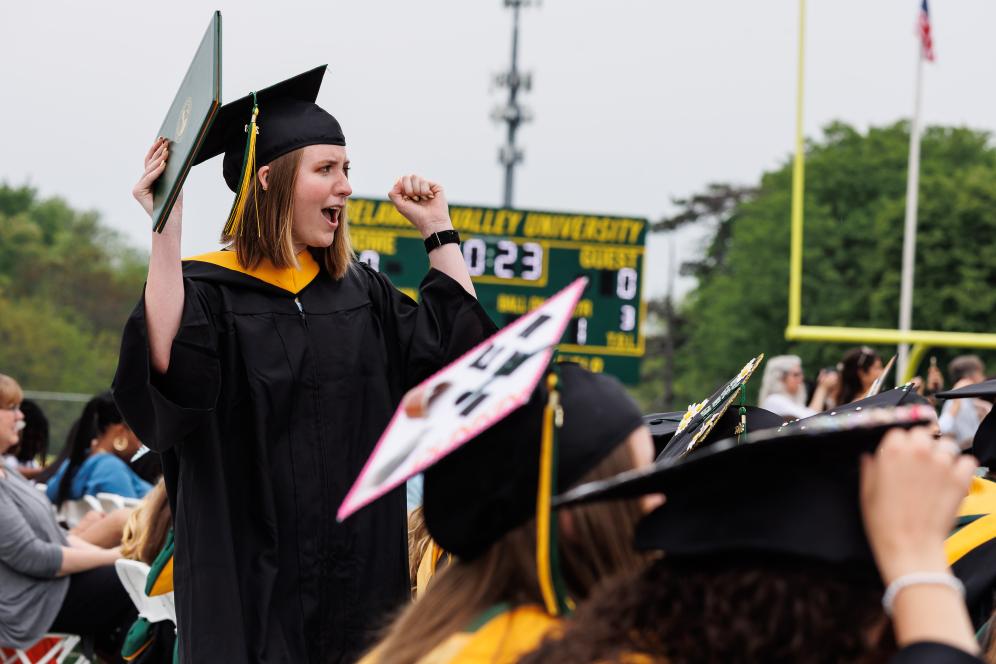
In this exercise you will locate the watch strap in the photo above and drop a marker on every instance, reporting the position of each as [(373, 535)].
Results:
[(437, 240)]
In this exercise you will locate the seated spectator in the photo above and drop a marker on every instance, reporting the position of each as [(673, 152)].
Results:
[(783, 391), (859, 369), (92, 466), (960, 417), (147, 526), (50, 581), (28, 456), (145, 536)]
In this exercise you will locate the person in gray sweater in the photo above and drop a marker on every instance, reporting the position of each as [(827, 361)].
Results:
[(50, 580)]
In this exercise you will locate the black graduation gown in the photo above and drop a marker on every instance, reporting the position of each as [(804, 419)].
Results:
[(270, 407)]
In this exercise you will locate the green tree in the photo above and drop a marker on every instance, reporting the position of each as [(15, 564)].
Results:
[(67, 283), (854, 208)]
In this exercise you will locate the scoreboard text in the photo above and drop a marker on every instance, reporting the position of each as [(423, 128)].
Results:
[(518, 258)]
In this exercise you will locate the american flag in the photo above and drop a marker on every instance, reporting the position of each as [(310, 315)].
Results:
[(923, 30)]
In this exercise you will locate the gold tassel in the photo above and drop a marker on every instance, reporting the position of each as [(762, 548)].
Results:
[(543, 497), (248, 175)]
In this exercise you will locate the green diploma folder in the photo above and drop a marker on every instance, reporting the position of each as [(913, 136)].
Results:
[(189, 118)]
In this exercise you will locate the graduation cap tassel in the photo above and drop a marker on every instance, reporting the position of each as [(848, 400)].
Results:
[(547, 556), (247, 176), (742, 428)]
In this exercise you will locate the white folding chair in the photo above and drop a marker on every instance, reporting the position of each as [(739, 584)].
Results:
[(50, 649), (110, 501), (73, 510), (133, 575)]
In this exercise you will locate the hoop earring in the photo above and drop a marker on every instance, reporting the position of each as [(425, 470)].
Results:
[(120, 444)]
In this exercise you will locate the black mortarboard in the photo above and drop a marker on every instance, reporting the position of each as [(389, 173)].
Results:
[(984, 443), (793, 494), (288, 119), (700, 419), (904, 395), (664, 425), (488, 487)]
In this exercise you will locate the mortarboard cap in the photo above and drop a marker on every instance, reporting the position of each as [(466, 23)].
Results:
[(781, 493), (288, 119), (488, 487), (664, 425), (700, 418), (904, 395), (984, 443), (266, 124)]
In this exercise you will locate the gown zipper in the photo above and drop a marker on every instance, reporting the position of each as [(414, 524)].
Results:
[(322, 536)]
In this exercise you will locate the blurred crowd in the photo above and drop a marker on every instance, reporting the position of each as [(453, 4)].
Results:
[(68, 520)]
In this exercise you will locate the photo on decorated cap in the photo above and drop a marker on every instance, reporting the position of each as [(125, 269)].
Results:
[(774, 492), (468, 396), (700, 418)]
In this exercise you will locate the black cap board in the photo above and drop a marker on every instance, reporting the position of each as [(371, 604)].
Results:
[(793, 494), (488, 486), (700, 419), (663, 425), (904, 395), (288, 119)]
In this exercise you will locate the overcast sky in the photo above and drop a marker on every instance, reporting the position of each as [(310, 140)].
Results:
[(634, 102)]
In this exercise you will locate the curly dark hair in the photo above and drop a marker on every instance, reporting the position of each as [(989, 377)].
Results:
[(731, 611)]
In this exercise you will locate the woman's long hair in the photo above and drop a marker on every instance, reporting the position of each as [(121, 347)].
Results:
[(34, 437), (855, 360), (265, 231), (773, 381), (99, 413), (145, 531), (507, 571), (744, 609)]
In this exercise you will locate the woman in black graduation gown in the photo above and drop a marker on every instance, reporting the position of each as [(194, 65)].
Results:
[(264, 375)]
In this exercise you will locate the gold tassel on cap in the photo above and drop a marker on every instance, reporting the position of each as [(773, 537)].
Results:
[(547, 559), (248, 175)]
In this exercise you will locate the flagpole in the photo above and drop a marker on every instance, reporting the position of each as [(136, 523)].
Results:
[(909, 232)]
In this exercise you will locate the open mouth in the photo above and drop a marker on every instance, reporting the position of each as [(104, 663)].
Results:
[(331, 215)]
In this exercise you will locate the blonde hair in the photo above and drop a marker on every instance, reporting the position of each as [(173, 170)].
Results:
[(506, 572), (265, 230), (145, 532), (10, 391)]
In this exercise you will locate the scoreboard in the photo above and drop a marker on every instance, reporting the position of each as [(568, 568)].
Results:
[(518, 258)]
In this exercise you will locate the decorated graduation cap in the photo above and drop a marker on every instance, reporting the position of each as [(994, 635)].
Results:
[(489, 486), (266, 124), (701, 418), (984, 443), (774, 492), (664, 425)]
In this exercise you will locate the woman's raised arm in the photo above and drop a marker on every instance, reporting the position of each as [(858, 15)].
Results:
[(164, 287)]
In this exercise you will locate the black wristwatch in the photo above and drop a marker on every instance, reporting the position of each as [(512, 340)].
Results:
[(439, 239)]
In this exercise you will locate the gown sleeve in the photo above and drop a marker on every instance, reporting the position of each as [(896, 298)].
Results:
[(445, 323), (162, 409), (927, 652)]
